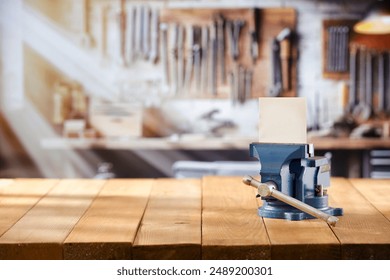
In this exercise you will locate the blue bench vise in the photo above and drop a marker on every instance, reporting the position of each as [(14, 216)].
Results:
[(293, 182)]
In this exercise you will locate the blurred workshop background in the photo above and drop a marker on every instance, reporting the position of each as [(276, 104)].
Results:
[(122, 88)]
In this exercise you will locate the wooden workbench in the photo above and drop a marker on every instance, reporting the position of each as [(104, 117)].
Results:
[(212, 218)]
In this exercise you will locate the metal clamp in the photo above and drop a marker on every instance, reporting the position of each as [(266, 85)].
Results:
[(269, 189)]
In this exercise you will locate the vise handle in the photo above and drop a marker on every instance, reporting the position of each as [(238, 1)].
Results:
[(269, 189)]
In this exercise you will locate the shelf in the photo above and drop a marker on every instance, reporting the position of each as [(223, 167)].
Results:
[(330, 143), (190, 143), (203, 143)]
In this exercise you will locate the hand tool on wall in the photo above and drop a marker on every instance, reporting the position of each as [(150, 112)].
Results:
[(352, 79), (103, 30), (173, 58), (369, 81), (220, 23), (381, 83), (241, 84), (154, 27), (248, 84), (216, 126), (197, 56), (255, 36), (330, 48), (138, 30), (231, 81), (285, 56), (164, 52), (180, 58), (362, 111), (204, 57), (382, 78), (145, 32), (277, 74), (236, 82), (85, 23), (189, 49), (344, 48), (233, 74), (234, 28), (130, 34), (121, 20), (387, 84), (337, 48), (213, 60), (254, 46)]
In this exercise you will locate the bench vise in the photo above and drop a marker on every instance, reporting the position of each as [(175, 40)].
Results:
[(293, 182)]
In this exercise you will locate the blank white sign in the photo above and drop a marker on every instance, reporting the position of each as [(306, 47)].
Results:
[(282, 120)]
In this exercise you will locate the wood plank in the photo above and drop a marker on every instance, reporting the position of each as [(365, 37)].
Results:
[(40, 233), (19, 196), (231, 228), (307, 239), (171, 226), (377, 192), (363, 231), (4, 183), (108, 228)]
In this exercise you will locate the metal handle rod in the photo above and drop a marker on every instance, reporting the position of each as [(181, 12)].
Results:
[(268, 189)]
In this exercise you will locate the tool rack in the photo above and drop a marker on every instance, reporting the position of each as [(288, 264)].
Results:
[(271, 22)]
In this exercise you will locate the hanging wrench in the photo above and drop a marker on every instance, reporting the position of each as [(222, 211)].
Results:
[(189, 57), (153, 53), (220, 22), (174, 39), (146, 32), (180, 59), (248, 84), (204, 56), (213, 60), (130, 35), (197, 56), (238, 25), (164, 51)]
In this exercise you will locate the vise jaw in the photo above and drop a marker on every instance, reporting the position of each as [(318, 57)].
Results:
[(297, 177)]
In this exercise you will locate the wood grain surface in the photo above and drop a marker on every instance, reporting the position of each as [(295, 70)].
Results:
[(108, 228), (40, 233), (363, 231), (171, 226), (231, 228), (308, 239), (19, 196), (209, 218)]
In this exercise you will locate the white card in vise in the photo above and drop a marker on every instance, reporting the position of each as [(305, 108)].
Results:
[(282, 120)]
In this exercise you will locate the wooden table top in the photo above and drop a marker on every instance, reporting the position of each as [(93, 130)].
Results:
[(209, 218)]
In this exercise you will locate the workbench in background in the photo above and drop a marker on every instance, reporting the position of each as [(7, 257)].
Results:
[(350, 157), (212, 218)]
